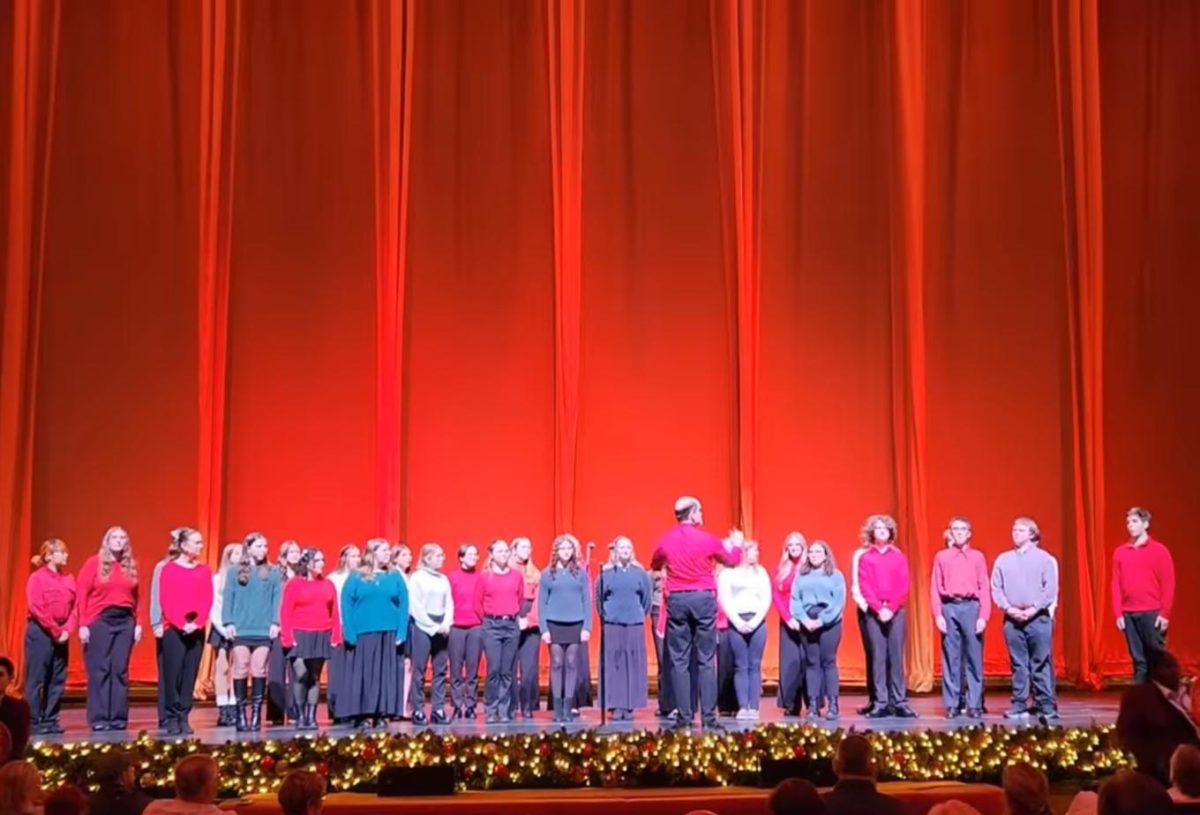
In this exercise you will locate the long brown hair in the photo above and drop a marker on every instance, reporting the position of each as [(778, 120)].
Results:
[(367, 570), (866, 535), (264, 565), (128, 564), (281, 561), (572, 564), (48, 547), (828, 567)]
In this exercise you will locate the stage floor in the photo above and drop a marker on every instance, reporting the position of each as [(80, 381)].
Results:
[(1076, 709)]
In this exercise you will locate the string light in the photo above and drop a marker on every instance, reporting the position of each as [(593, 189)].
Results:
[(592, 759)]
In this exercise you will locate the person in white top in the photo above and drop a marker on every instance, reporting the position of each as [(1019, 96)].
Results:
[(197, 779), (744, 592), (220, 643), (860, 604), (431, 606), (349, 559)]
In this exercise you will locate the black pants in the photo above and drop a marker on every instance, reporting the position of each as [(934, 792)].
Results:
[(1146, 643), (962, 655), (1030, 648), (692, 627), (45, 674), (181, 661), (866, 646), (727, 699), (526, 696), (887, 660), (162, 697), (466, 646), (280, 705), (820, 661), (427, 647), (791, 669), (107, 659), (500, 650)]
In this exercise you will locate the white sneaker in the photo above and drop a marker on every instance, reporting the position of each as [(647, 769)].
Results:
[(752, 715), (742, 715)]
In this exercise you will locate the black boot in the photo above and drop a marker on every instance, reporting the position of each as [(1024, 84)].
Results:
[(308, 717), (239, 717), (832, 713), (258, 689), (560, 710)]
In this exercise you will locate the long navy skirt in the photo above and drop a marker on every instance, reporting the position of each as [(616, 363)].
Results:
[(375, 678), (625, 667)]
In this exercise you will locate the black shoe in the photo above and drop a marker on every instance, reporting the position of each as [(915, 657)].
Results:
[(1016, 713), (100, 728), (904, 712), (865, 710), (186, 728), (832, 713), (118, 727), (364, 725), (664, 714), (469, 714), (439, 717), (680, 725), (173, 729), (714, 726), (418, 718), (881, 712), (1049, 715), (953, 713), (490, 718)]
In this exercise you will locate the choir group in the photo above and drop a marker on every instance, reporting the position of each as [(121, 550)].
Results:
[(383, 627)]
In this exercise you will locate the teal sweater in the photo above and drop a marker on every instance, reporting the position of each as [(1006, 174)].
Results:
[(816, 589), (372, 606), (253, 608)]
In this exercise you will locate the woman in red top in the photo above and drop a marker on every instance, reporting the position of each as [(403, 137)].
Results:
[(466, 634), (108, 601), (53, 615), (186, 595), (791, 638), (309, 628), (525, 693)]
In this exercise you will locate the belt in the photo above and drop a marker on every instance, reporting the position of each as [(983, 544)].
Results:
[(506, 617), (955, 598)]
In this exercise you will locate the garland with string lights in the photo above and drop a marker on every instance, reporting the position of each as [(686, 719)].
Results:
[(590, 759)]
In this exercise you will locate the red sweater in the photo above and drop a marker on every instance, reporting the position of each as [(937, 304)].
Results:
[(185, 594), (689, 555), (883, 578), (97, 594), (499, 595), (51, 597), (462, 589), (1143, 579), (530, 594), (309, 605), (781, 592)]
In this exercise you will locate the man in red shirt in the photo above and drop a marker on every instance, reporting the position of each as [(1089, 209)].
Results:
[(688, 554), (1143, 592), (961, 602)]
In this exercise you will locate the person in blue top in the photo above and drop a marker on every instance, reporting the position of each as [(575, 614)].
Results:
[(624, 593), (374, 626), (818, 602), (565, 618), (250, 615)]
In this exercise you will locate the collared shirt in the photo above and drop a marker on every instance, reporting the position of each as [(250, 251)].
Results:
[(883, 578), (688, 552), (960, 572), (1143, 578), (1025, 578)]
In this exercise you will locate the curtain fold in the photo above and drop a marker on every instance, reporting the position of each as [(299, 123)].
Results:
[(565, 57), (34, 53), (392, 44)]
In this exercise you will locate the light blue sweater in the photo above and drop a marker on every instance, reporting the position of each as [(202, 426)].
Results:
[(816, 589)]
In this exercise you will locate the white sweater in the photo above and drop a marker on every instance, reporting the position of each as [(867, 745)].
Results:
[(429, 593), (744, 590)]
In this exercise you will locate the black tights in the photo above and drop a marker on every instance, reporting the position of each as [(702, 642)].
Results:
[(564, 670), (306, 681)]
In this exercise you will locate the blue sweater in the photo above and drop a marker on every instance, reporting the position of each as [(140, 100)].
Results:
[(624, 595), (253, 608), (373, 606), (564, 598), (817, 588)]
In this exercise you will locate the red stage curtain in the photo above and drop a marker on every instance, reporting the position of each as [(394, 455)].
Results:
[(463, 269)]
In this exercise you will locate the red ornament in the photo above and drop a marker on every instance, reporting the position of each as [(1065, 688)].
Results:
[(544, 750), (322, 768), (799, 752), (267, 763), (369, 750), (588, 750)]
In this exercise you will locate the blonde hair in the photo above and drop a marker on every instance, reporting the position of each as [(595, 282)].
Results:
[(48, 547), (344, 556), (128, 564), (487, 561), (785, 562), (20, 787), (428, 550), (1035, 532), (367, 570), (867, 534), (529, 570)]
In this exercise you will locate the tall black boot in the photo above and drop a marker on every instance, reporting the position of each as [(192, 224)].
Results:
[(239, 693), (258, 689)]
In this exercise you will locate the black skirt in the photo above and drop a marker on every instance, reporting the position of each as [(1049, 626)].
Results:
[(374, 683), (311, 645), (252, 643), (216, 641), (564, 633), (338, 675), (625, 672)]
